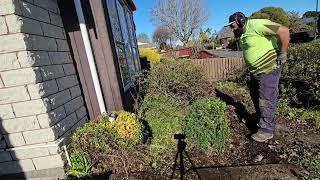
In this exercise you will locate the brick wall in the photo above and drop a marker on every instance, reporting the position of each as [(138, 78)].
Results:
[(40, 96)]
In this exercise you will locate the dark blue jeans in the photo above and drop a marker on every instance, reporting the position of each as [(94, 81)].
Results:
[(264, 91)]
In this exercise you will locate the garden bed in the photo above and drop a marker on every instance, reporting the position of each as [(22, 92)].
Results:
[(217, 119)]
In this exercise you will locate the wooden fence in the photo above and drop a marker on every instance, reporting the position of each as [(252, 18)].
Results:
[(220, 68)]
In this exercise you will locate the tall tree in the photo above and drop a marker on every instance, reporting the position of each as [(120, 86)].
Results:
[(143, 37), (274, 14), (162, 37), (181, 17)]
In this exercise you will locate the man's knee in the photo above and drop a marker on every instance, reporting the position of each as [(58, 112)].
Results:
[(263, 103)]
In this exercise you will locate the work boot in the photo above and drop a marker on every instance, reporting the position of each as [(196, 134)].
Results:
[(262, 136)]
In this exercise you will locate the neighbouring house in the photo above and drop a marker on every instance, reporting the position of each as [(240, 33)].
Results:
[(62, 63), (224, 36), (147, 45), (223, 53)]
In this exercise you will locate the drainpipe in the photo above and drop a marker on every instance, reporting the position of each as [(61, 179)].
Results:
[(88, 49)]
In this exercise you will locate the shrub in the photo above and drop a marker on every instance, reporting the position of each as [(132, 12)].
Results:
[(150, 54), (205, 125), (301, 79), (127, 128), (110, 146), (181, 79), (164, 115), (94, 135)]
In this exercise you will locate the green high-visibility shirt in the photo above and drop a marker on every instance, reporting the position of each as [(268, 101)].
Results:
[(260, 45)]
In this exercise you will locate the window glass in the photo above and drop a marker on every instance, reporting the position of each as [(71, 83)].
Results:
[(123, 31), (126, 37)]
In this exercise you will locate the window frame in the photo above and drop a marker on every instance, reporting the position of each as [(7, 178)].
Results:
[(128, 47)]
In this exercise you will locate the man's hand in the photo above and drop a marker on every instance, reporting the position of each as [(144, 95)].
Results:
[(282, 58)]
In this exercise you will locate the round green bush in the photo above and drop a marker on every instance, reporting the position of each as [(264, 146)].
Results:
[(127, 127), (164, 115), (94, 135), (205, 125)]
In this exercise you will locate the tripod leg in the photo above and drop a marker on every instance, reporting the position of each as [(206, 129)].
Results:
[(174, 167), (192, 165), (181, 166)]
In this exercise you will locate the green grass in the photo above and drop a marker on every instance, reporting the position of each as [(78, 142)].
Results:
[(311, 162), (80, 165), (232, 87), (311, 116)]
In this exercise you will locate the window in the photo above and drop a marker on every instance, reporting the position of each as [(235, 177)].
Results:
[(125, 40)]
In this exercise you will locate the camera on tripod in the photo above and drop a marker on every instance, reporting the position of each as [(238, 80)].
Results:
[(181, 147), (179, 136)]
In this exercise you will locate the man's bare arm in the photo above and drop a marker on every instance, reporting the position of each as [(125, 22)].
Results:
[(283, 35)]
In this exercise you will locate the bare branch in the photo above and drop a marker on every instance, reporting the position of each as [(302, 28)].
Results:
[(181, 17)]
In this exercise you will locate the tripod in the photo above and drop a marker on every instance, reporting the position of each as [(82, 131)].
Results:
[(181, 149)]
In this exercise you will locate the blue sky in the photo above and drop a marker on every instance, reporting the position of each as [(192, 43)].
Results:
[(220, 10)]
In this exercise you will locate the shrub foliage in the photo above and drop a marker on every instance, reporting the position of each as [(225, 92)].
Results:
[(149, 54), (205, 124), (164, 115), (127, 127), (107, 146), (181, 79), (301, 79)]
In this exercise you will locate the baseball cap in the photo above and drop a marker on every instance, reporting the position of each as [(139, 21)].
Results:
[(233, 18)]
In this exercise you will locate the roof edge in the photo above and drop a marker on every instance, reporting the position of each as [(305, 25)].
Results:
[(131, 5)]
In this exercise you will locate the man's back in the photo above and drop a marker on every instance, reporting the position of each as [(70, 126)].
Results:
[(260, 45)]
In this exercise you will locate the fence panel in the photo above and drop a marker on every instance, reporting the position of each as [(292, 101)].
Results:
[(220, 68)]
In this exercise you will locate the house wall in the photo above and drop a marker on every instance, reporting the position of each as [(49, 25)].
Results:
[(40, 97)]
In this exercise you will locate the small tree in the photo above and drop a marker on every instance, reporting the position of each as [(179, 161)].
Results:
[(143, 37), (162, 37), (206, 38), (181, 17), (295, 22), (310, 14), (274, 14)]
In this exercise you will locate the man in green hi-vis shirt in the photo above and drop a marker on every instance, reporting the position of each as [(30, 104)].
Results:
[(265, 45)]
